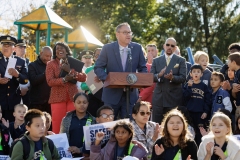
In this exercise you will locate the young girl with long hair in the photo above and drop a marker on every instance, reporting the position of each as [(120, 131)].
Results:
[(220, 144), (72, 124), (119, 145), (175, 142)]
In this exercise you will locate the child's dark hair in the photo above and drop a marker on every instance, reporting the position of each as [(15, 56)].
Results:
[(235, 57), (219, 74), (234, 46), (196, 66), (127, 126), (80, 94), (63, 44), (32, 113), (20, 105), (102, 108), (186, 114), (237, 130), (47, 115), (137, 106)]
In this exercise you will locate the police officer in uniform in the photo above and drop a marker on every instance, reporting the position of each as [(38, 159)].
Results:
[(10, 94), (20, 49)]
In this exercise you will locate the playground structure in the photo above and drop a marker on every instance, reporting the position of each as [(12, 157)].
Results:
[(45, 19)]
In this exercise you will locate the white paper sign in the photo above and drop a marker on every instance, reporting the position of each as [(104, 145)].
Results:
[(4, 157), (61, 143), (11, 64), (90, 132)]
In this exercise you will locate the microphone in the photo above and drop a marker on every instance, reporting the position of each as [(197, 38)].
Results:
[(129, 58), (129, 54)]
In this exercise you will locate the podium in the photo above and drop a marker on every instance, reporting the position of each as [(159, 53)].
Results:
[(128, 80)]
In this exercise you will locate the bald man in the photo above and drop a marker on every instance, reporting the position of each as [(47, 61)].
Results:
[(39, 90), (169, 73)]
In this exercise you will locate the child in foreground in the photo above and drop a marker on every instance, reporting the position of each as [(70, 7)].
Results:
[(39, 148), (119, 145), (220, 144), (175, 142)]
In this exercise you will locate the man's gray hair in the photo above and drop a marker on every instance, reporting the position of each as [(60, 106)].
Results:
[(120, 26)]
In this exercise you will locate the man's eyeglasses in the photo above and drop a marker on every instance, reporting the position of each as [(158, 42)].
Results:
[(126, 33), (170, 45), (105, 116), (143, 113)]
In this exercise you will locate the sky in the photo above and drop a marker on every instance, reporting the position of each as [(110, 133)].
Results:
[(10, 10)]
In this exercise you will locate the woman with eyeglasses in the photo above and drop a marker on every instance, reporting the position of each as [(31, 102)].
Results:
[(146, 132)]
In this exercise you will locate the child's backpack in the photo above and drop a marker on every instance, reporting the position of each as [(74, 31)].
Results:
[(26, 146)]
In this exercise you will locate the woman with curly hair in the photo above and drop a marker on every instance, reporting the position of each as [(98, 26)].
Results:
[(175, 142), (62, 88)]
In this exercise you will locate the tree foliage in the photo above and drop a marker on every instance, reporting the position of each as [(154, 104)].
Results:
[(200, 24)]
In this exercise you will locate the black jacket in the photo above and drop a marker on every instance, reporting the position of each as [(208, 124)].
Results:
[(190, 149), (39, 89), (5, 139)]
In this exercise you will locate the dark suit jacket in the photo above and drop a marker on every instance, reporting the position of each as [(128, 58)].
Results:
[(10, 94), (39, 89), (109, 60), (166, 93)]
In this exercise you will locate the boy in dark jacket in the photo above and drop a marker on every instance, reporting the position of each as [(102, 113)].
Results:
[(198, 99)]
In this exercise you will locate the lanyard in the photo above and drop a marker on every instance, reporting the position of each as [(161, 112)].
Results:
[(88, 123), (178, 156)]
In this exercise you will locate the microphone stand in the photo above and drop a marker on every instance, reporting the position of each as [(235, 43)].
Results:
[(128, 86)]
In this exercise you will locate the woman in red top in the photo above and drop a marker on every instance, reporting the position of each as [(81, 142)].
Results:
[(62, 90)]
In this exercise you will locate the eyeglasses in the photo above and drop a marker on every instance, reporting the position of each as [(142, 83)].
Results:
[(170, 45), (143, 113), (105, 116), (126, 33)]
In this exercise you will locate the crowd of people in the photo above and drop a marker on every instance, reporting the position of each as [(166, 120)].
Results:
[(189, 111)]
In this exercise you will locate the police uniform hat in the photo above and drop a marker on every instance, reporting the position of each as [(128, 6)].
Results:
[(86, 54), (21, 42), (8, 39)]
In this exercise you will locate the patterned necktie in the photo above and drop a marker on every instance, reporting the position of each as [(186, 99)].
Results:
[(168, 60), (124, 58)]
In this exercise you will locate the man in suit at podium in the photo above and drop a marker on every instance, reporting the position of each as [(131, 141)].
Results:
[(169, 72), (118, 56)]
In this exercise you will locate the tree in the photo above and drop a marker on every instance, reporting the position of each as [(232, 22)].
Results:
[(101, 17), (201, 24)]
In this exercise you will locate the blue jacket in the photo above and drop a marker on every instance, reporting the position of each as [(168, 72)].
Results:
[(109, 60), (197, 97), (221, 99)]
